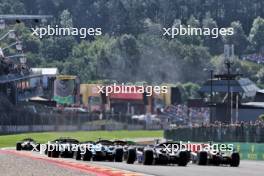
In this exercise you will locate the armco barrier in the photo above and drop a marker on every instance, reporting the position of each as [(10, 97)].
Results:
[(37, 128), (13, 129), (90, 127), (67, 128)]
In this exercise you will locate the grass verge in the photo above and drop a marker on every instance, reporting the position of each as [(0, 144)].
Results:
[(10, 140)]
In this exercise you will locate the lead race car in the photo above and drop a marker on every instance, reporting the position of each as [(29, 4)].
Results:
[(27, 144), (158, 154)]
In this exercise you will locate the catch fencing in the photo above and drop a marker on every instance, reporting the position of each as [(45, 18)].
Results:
[(229, 133), (72, 122)]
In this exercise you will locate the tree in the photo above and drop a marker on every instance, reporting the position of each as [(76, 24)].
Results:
[(12, 7), (215, 45), (66, 19), (59, 47), (256, 36), (119, 21), (129, 51), (196, 58), (260, 76), (238, 39), (30, 44), (191, 89), (194, 39)]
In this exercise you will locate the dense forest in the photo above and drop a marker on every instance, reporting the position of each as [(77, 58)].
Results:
[(132, 47)]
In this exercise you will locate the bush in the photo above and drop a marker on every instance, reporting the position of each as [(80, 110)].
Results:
[(261, 117)]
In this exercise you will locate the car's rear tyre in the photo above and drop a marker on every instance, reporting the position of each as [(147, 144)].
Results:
[(18, 146), (98, 158), (38, 147), (202, 158), (148, 157), (235, 160), (67, 154), (131, 156), (49, 153), (77, 155), (118, 155), (183, 158), (87, 156), (46, 150), (55, 154)]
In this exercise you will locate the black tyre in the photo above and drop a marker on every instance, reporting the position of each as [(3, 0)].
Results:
[(55, 154), (77, 155), (49, 153), (202, 158), (38, 147), (235, 160), (98, 158), (46, 150), (183, 158), (95, 158), (18, 146), (70, 155), (148, 157), (216, 160), (110, 158), (118, 155), (131, 156), (67, 154), (87, 156)]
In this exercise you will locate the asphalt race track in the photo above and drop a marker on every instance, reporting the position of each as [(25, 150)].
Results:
[(247, 168), (13, 163)]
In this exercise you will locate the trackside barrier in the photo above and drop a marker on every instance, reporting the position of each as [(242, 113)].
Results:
[(248, 140), (245, 134), (134, 127), (67, 128), (90, 127), (250, 151), (37, 128), (12, 129)]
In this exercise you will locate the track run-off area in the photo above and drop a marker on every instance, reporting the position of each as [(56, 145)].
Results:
[(24, 163)]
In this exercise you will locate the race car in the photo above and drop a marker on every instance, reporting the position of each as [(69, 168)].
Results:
[(105, 150), (216, 157), (84, 151), (226, 158), (102, 150), (28, 144), (159, 154), (62, 147)]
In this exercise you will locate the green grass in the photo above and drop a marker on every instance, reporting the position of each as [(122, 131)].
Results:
[(10, 140)]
